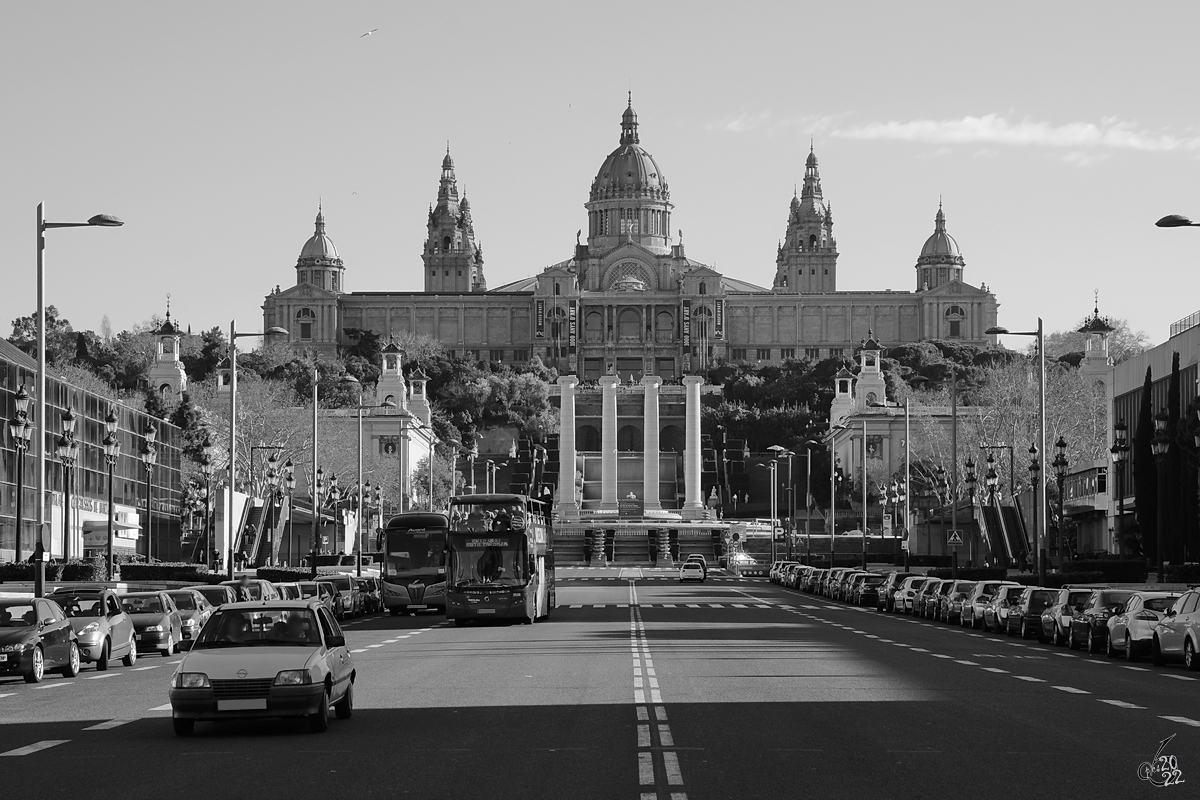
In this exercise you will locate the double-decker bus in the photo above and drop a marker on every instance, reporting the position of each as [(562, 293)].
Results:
[(413, 572), (501, 562)]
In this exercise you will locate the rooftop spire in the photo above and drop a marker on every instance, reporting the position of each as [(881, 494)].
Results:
[(629, 124), (320, 230)]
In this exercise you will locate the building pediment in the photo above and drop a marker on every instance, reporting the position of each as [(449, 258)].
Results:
[(703, 271), (306, 291), (956, 289)]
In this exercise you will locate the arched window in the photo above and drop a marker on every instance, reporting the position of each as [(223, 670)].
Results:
[(588, 438), (446, 244), (629, 439), (812, 241), (391, 398), (671, 439), (701, 325), (557, 288), (703, 287), (594, 327), (334, 281), (629, 324), (664, 327), (304, 321), (954, 319), (391, 362), (168, 345)]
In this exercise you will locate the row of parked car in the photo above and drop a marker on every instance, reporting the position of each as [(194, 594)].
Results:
[(95, 624), (1125, 623)]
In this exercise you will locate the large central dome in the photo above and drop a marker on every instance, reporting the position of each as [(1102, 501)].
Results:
[(629, 170)]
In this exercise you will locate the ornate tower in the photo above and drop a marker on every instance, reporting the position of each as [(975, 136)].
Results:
[(319, 264), (843, 397), (166, 374), (391, 386), (1097, 363), (871, 386), (629, 199), (453, 258), (940, 261), (807, 259)]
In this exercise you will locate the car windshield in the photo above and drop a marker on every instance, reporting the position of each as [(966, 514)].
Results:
[(1114, 598), (873, 579), (1040, 599), (17, 614), (1010, 593), (308, 590), (1078, 598), (260, 627), (184, 601), (142, 605), (81, 605), (343, 583), (213, 594), (1160, 603)]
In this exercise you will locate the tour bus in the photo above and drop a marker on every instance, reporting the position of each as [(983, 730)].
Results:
[(413, 574), (501, 561)]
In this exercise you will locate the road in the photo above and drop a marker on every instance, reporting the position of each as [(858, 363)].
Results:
[(639, 687)]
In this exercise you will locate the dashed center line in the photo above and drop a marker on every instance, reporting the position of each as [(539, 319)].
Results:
[(1183, 721), (35, 747), (1122, 704), (1070, 690)]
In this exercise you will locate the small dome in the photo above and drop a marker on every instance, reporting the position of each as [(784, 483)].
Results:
[(940, 248), (319, 246)]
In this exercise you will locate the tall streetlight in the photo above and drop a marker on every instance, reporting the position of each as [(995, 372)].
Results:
[(350, 380), (318, 486), (98, 221), (772, 467), (1060, 464), (971, 480), (208, 468), (149, 456), (808, 448), (780, 451), (1011, 461), (1160, 446), (112, 451), (233, 337), (1120, 453), (67, 448), (20, 429), (1040, 519), (289, 483)]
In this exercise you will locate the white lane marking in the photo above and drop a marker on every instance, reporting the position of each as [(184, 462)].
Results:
[(643, 715), (715, 605), (1066, 655), (55, 685), (600, 606), (1122, 704), (1027, 678), (872, 636), (104, 726), (1070, 690), (668, 605), (693, 605), (359, 650), (1136, 669), (671, 763), (143, 669), (577, 605), (100, 677), (995, 669), (646, 769), (7, 694), (660, 713), (373, 646), (35, 747), (939, 655), (918, 649), (163, 707), (740, 605), (649, 795), (1183, 721), (889, 641), (643, 736), (639, 696), (664, 736), (1177, 677)]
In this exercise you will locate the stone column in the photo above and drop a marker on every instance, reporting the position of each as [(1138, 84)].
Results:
[(693, 503), (650, 444), (608, 443), (565, 497)]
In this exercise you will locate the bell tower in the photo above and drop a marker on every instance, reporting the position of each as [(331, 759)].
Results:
[(872, 388), (807, 256), (391, 386), (453, 258), (166, 375), (1097, 362)]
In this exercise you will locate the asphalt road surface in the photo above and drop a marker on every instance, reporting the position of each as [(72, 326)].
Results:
[(639, 687)]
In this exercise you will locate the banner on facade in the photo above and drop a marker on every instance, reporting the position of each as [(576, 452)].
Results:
[(719, 333), (539, 316), (573, 335), (686, 318)]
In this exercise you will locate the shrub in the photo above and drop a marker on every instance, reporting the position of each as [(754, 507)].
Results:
[(180, 571), (285, 574), (972, 573), (922, 560), (1113, 570), (1057, 581), (1182, 573)]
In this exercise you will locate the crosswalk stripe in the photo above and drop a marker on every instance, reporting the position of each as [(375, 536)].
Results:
[(35, 747)]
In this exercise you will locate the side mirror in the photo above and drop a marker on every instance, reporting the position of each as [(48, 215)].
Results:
[(47, 622), (1170, 612), (185, 645), (335, 641)]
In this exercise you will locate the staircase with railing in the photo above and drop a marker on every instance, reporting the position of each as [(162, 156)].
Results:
[(266, 549)]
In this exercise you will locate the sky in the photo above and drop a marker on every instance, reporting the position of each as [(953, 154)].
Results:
[(1054, 134)]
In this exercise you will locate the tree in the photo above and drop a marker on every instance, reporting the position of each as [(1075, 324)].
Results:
[(60, 338), (1145, 474), (201, 361), (447, 481), (189, 418), (1174, 472), (1123, 342)]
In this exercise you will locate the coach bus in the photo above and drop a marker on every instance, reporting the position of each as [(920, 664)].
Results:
[(501, 563), (413, 573)]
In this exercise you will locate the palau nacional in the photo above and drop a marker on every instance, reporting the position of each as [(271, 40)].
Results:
[(631, 322)]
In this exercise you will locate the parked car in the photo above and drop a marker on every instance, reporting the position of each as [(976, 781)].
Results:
[(247, 588), (995, 613), (1177, 634), (1056, 620), (906, 593), (352, 603), (832, 578), (157, 624), (842, 590), (1025, 615), (886, 596), (328, 596), (773, 571), (372, 601), (103, 630), (866, 590), (218, 595), (981, 595), (933, 601), (951, 602), (812, 581), (272, 659), (287, 591), (194, 611), (1090, 622), (36, 638), (926, 596), (691, 571), (1131, 632)]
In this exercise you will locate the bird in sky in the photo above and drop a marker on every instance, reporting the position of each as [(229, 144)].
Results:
[(368, 33)]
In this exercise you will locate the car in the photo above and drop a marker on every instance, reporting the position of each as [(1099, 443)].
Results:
[(218, 595), (995, 613), (247, 588), (287, 591), (691, 571), (925, 595), (157, 624), (103, 630), (831, 580), (699, 559), (1090, 621), (352, 602), (981, 595), (369, 589), (775, 574), (1177, 634), (1025, 615), (812, 581), (275, 658), (886, 596), (35, 638), (1131, 632), (951, 602), (841, 590), (933, 600), (906, 592), (866, 590), (1056, 620), (327, 595), (194, 610)]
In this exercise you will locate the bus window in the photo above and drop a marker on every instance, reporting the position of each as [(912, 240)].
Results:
[(489, 561)]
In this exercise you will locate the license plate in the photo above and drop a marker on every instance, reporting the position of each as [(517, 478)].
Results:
[(486, 611), (3, 656), (138, 637), (259, 704)]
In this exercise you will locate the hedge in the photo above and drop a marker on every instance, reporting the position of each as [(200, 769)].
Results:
[(73, 570), (922, 560), (1058, 580), (971, 573), (1182, 573), (1112, 570), (179, 571)]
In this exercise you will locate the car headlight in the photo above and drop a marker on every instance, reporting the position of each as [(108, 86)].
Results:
[(189, 623), (91, 627), (153, 629), (293, 677), (13, 648), (191, 680)]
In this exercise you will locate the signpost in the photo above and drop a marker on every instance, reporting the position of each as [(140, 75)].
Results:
[(954, 537)]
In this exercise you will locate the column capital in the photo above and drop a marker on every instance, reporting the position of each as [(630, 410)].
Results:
[(651, 380), (609, 381), (693, 380), (568, 380)]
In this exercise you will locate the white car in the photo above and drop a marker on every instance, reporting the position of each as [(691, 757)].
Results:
[(691, 571), (1131, 631), (274, 658)]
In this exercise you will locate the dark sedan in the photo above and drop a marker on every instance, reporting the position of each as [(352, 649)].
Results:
[(1090, 622), (157, 624), (194, 610), (36, 638), (1025, 615), (866, 590)]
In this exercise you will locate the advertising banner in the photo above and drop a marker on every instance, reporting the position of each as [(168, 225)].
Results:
[(686, 318), (539, 316), (573, 335), (720, 321)]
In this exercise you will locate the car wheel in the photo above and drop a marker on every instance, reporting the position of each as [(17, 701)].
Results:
[(72, 667), (318, 721), (131, 657), (1092, 647), (1008, 631), (1156, 653), (102, 661), (1190, 659), (1024, 630), (169, 650), (1071, 643), (38, 670), (344, 708), (1059, 639), (1109, 650), (1130, 655), (183, 727)]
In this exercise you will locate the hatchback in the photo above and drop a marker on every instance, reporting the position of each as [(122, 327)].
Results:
[(1025, 615), (995, 613), (981, 595), (157, 624), (1090, 622), (886, 598), (691, 571), (105, 631), (1177, 634), (36, 638), (1056, 620), (1131, 631), (906, 592)]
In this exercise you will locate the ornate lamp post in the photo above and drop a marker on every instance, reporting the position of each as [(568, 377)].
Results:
[(377, 499), (1035, 469), (208, 469), (67, 449), (318, 490), (971, 480), (1120, 455), (21, 430), (149, 455), (112, 451), (1160, 446), (289, 483), (1060, 464)]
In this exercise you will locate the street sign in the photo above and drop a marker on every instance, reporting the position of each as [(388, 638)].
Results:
[(954, 538)]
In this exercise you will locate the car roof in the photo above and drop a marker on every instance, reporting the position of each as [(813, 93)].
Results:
[(143, 593), (258, 605)]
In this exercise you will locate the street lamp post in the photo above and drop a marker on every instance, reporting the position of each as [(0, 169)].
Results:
[(808, 446), (1011, 459), (112, 451), (208, 467), (971, 481), (20, 429), (289, 482), (67, 449), (1035, 469), (1120, 451), (1060, 465), (273, 478), (149, 456), (1160, 446), (318, 487)]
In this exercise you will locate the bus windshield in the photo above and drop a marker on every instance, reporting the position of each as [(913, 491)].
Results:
[(415, 552), (488, 561), (492, 515)]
